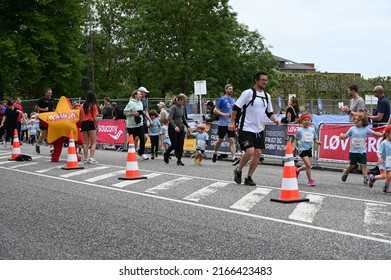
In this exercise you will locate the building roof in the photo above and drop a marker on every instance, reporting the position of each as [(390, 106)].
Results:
[(289, 65)]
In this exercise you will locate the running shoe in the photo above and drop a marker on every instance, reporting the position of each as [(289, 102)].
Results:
[(311, 183), (372, 180), (237, 176), (235, 161), (249, 181), (344, 175)]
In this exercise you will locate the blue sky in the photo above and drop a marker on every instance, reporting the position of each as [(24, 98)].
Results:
[(337, 35)]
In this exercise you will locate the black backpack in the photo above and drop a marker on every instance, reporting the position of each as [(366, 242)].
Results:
[(251, 103)]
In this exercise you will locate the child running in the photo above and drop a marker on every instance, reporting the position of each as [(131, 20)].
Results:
[(384, 157), (305, 137), (166, 138), (201, 142), (358, 149), (153, 131)]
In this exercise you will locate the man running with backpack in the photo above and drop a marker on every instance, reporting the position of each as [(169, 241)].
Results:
[(247, 116)]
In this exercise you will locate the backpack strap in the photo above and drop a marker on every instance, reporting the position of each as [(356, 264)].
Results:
[(251, 103)]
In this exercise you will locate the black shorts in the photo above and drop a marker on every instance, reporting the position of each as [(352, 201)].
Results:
[(42, 125), (356, 158), (223, 130), (145, 128), (251, 140), (87, 126), (306, 153)]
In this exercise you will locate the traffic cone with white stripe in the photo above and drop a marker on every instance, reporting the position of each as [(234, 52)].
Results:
[(290, 190), (72, 160), (132, 172), (15, 146)]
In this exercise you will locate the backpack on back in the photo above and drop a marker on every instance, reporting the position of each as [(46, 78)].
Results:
[(251, 103)]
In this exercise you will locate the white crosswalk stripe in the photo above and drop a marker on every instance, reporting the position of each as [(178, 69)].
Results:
[(48, 169), (104, 176), (249, 200), (204, 192), (83, 171), (306, 211), (167, 185), (24, 164), (125, 183), (377, 219)]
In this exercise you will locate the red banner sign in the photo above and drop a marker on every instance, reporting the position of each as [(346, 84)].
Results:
[(111, 131), (333, 148)]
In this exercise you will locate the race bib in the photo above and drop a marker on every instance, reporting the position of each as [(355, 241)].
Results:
[(307, 137), (388, 161), (201, 144), (358, 142)]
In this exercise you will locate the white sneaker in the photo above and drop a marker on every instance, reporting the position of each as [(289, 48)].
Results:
[(92, 161), (144, 157), (85, 160)]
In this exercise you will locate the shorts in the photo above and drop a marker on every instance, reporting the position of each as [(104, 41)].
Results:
[(145, 128), (223, 130), (87, 126), (356, 158), (202, 151), (306, 153), (251, 140), (43, 125)]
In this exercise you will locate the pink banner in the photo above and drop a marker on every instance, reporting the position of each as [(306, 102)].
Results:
[(333, 148), (111, 131)]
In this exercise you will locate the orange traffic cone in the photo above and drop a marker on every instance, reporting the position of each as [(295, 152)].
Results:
[(132, 172), (290, 191), (72, 162), (15, 146)]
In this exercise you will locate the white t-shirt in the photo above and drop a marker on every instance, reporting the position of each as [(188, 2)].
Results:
[(254, 113)]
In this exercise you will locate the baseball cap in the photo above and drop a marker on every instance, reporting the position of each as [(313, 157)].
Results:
[(143, 89)]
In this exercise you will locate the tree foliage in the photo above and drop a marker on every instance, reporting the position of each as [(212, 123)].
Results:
[(39, 43)]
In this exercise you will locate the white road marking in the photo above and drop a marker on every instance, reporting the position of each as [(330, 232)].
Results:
[(249, 200), (84, 171), (24, 164), (239, 213), (48, 169), (104, 176), (168, 185), (125, 183), (306, 211), (377, 219), (205, 192)]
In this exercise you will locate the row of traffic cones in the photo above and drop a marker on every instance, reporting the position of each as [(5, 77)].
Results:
[(289, 192), (132, 171)]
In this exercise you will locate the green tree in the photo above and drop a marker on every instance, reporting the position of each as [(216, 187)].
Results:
[(39, 47), (173, 43)]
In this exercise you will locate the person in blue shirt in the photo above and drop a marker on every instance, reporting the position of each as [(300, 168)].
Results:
[(153, 131), (304, 140), (384, 160), (224, 109), (202, 139), (382, 113), (358, 149)]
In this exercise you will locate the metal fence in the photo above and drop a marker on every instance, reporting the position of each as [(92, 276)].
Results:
[(196, 105)]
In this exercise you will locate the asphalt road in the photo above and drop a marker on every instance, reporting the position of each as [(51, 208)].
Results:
[(183, 213)]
